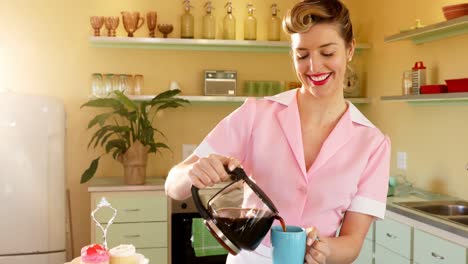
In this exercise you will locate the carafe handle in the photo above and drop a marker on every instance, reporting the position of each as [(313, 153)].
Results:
[(196, 196), (200, 208)]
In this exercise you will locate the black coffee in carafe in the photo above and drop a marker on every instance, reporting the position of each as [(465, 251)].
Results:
[(245, 226), (239, 215)]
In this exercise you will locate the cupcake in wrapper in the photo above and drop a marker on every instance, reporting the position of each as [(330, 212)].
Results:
[(94, 254), (123, 254)]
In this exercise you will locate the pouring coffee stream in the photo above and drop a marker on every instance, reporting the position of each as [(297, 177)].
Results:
[(239, 215)]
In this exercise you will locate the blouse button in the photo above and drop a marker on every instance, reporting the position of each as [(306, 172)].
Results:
[(302, 189)]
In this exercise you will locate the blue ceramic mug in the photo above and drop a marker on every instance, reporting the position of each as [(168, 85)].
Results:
[(288, 247)]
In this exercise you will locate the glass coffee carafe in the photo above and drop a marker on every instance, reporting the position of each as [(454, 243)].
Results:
[(239, 215)]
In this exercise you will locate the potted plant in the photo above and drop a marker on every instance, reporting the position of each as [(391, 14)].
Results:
[(127, 132)]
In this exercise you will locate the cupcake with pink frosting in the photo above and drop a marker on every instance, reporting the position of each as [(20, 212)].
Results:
[(94, 254)]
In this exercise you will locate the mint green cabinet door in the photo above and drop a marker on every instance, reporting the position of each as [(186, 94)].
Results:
[(134, 207), (141, 235), (385, 256), (155, 255), (367, 253), (395, 236), (429, 249)]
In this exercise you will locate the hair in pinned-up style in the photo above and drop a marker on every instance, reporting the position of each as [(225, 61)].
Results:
[(307, 13)]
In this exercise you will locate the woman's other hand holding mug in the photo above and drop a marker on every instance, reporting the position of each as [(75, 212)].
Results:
[(317, 250)]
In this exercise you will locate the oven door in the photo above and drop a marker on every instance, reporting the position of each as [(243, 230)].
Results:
[(182, 251)]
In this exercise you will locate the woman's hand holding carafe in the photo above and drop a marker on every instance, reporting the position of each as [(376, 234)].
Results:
[(207, 171)]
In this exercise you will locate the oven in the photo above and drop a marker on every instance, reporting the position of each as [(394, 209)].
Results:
[(182, 213)]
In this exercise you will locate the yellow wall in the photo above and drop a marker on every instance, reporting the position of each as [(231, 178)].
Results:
[(44, 50), (434, 135)]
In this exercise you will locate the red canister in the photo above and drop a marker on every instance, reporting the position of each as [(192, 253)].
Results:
[(418, 76)]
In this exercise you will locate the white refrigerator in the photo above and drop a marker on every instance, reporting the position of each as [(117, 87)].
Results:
[(32, 180)]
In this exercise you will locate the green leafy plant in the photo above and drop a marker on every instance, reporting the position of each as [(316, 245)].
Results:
[(127, 122)]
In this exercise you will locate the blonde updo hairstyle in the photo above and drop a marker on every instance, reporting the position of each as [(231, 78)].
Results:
[(307, 13)]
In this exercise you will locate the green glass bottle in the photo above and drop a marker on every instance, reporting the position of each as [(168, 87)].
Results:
[(274, 26), (229, 23), (250, 24), (209, 22), (187, 21)]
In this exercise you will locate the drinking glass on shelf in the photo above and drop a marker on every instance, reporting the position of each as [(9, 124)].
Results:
[(124, 84), (407, 82), (97, 85), (137, 84), (129, 84), (109, 83)]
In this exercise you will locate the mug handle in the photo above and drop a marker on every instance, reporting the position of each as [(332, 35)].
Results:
[(142, 20)]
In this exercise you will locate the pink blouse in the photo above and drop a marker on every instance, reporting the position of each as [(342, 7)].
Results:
[(350, 172)]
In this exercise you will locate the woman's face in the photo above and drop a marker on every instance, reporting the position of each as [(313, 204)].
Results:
[(320, 56)]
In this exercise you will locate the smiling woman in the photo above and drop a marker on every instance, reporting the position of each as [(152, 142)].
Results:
[(322, 42), (319, 138)]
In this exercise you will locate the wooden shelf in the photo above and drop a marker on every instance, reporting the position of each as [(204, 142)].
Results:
[(196, 44), (227, 99), (433, 32), (442, 97)]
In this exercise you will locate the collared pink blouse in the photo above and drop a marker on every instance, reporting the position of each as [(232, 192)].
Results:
[(350, 172)]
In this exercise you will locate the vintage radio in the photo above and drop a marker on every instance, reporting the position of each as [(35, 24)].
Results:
[(219, 82)]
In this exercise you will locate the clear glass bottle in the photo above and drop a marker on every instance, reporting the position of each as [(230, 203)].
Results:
[(209, 22), (274, 26), (250, 24), (229, 23), (187, 21)]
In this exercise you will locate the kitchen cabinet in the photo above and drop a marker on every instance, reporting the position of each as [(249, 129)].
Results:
[(386, 256), (399, 239), (429, 249), (394, 236), (142, 217), (445, 29)]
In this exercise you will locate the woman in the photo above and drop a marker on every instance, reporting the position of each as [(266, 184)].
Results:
[(320, 161)]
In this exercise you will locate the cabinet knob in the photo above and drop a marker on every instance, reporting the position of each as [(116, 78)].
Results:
[(132, 210), (132, 236), (437, 256), (391, 236)]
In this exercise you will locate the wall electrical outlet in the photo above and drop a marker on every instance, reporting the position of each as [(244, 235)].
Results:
[(401, 160), (187, 149)]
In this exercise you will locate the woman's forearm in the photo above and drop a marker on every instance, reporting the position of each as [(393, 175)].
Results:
[(178, 185), (343, 249)]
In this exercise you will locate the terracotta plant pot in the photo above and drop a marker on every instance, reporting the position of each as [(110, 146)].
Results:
[(134, 162)]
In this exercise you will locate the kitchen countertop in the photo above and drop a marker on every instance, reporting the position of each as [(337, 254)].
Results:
[(116, 184), (451, 231)]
